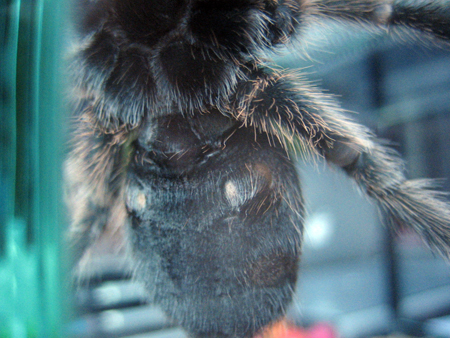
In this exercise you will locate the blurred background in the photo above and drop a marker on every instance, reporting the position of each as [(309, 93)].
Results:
[(355, 276)]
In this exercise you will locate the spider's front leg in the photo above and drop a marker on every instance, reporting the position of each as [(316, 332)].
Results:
[(216, 223), (289, 109)]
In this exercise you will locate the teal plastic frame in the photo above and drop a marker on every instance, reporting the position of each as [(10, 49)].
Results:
[(32, 273)]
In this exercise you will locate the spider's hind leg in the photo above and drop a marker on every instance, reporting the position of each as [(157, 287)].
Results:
[(94, 175), (426, 16), (291, 110)]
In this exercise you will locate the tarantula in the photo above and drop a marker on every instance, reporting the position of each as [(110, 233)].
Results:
[(183, 143)]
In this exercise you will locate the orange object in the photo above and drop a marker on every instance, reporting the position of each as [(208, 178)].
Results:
[(284, 329)]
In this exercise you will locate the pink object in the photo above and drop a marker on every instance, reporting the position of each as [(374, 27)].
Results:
[(285, 330), (322, 330)]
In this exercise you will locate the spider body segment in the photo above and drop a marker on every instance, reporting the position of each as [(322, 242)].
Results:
[(183, 143)]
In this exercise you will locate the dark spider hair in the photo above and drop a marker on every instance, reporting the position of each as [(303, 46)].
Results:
[(182, 146)]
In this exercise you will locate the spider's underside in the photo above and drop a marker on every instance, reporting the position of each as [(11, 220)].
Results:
[(181, 143)]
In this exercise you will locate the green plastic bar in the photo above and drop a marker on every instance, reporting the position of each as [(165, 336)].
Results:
[(32, 280)]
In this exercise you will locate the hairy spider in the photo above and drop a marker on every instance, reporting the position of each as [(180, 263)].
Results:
[(183, 143)]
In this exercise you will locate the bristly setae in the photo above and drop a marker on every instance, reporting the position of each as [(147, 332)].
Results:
[(181, 145)]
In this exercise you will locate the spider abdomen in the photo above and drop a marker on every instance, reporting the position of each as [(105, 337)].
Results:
[(218, 243)]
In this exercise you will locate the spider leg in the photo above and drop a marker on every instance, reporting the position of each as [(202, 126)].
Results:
[(429, 17), (94, 174), (288, 109)]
